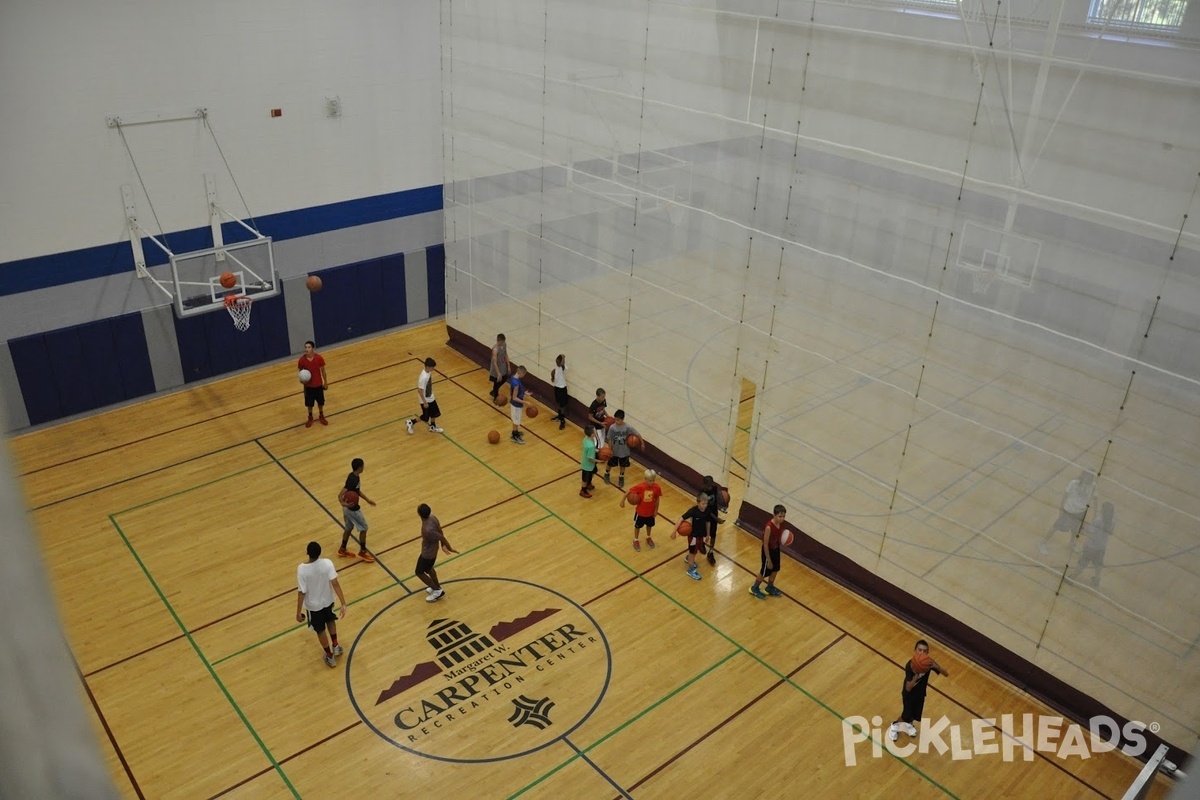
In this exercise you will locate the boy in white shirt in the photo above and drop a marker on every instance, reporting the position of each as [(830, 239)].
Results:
[(317, 582)]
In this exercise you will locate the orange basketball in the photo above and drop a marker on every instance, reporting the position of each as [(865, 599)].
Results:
[(500, 400), (921, 662), (609, 422), (684, 528), (724, 498), (313, 283), (531, 410), (634, 440), (604, 453), (634, 497), (351, 498), (228, 280), (493, 437)]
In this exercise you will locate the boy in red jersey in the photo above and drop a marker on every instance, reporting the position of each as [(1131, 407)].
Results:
[(647, 508), (314, 389), (770, 555)]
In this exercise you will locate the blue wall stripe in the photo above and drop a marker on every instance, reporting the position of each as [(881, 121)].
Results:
[(42, 272)]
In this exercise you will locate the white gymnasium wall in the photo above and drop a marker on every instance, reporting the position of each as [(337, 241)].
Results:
[(65, 67), (678, 195)]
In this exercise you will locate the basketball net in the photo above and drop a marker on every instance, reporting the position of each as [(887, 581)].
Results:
[(982, 280), (238, 307)]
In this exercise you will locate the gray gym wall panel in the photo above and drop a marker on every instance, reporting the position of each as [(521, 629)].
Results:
[(163, 347), (15, 415), (416, 285)]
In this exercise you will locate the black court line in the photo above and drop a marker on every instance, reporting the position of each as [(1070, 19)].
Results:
[(286, 592), (329, 513), (963, 706), (780, 682), (596, 767), (108, 730), (223, 449), (285, 760), (199, 421)]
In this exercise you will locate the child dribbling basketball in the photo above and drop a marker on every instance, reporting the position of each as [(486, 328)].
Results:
[(648, 493), (912, 694), (698, 516)]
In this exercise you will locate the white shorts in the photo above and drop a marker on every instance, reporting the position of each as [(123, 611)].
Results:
[(515, 413)]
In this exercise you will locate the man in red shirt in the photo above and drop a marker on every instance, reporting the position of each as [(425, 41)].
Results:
[(314, 389), (647, 508)]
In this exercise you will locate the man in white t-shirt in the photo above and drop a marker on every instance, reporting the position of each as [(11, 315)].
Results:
[(317, 582), (429, 407), (1080, 494)]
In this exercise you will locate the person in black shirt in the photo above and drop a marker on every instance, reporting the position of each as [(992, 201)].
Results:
[(916, 683)]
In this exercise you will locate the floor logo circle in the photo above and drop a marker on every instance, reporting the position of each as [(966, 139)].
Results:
[(497, 669)]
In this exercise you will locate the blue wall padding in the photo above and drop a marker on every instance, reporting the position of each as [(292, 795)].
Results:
[(77, 369)]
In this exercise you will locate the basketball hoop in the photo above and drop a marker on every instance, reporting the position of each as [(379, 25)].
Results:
[(982, 280), (238, 307)]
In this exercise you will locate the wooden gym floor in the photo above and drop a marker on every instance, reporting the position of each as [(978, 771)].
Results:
[(172, 530)]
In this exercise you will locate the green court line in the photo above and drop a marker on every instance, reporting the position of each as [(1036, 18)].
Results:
[(203, 660), (369, 595), (627, 723), (699, 618), (550, 513), (300, 625)]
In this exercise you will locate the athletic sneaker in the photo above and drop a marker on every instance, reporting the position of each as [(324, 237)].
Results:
[(428, 590), (337, 650), (344, 553), (436, 429), (637, 545), (893, 732), (584, 493), (620, 483), (649, 542), (518, 440), (756, 593), (910, 729), (711, 558), (408, 423), (693, 572), (771, 590), (330, 661), (365, 556), (607, 479), (321, 419), (436, 595), (309, 423)]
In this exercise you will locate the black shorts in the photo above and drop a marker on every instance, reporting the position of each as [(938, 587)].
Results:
[(1069, 522), (425, 564), (317, 620), (914, 706), (762, 570), (587, 475), (639, 521), (560, 396), (623, 461), (1092, 556), (314, 394), (696, 544), (430, 411)]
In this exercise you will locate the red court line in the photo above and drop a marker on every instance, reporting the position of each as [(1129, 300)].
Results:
[(108, 732), (735, 714), (971, 711), (200, 421), (283, 761)]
